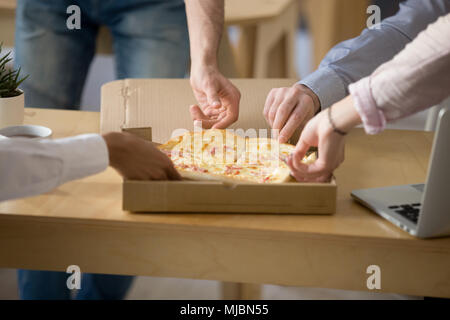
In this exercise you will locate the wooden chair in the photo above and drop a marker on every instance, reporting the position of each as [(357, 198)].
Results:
[(267, 31)]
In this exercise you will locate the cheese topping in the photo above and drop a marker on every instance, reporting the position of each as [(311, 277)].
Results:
[(218, 154)]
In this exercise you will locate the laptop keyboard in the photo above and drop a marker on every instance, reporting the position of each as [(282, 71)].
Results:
[(409, 211)]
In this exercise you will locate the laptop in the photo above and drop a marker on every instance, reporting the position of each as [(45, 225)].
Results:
[(423, 210)]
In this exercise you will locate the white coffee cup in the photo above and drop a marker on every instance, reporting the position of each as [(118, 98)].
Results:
[(26, 131), (12, 110)]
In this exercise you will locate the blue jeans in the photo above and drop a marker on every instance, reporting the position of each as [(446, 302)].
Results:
[(150, 40), (51, 285)]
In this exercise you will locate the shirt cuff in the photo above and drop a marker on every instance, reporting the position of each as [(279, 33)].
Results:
[(327, 85), (372, 118), (82, 156)]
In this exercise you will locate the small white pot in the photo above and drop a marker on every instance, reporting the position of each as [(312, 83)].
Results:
[(12, 110)]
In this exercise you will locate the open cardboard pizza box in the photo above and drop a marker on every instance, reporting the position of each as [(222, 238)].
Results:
[(157, 109)]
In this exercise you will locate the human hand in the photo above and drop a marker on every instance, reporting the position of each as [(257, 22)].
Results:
[(289, 109), (320, 133), (137, 159), (218, 99)]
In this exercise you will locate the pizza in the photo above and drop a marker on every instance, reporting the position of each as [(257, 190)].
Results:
[(224, 156)]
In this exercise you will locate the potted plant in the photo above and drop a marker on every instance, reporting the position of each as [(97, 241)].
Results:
[(11, 97)]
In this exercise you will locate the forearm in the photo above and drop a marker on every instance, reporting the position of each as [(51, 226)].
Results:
[(205, 21), (357, 58), (418, 77), (344, 114)]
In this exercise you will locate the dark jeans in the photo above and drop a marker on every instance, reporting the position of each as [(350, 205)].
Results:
[(150, 40)]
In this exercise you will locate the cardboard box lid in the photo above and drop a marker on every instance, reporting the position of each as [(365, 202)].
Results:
[(163, 104)]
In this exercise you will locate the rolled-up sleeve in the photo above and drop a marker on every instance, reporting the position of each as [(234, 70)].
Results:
[(354, 59), (30, 167), (416, 79)]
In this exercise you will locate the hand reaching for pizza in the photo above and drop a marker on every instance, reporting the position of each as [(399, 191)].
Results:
[(137, 159), (289, 109), (319, 132), (218, 99)]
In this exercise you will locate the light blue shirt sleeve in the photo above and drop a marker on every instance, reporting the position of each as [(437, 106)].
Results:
[(354, 59)]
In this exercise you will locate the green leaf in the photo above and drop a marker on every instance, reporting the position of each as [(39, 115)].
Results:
[(9, 79)]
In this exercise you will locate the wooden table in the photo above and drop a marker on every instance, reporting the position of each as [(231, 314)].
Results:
[(82, 223)]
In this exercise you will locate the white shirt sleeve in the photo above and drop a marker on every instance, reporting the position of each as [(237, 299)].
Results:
[(30, 167)]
